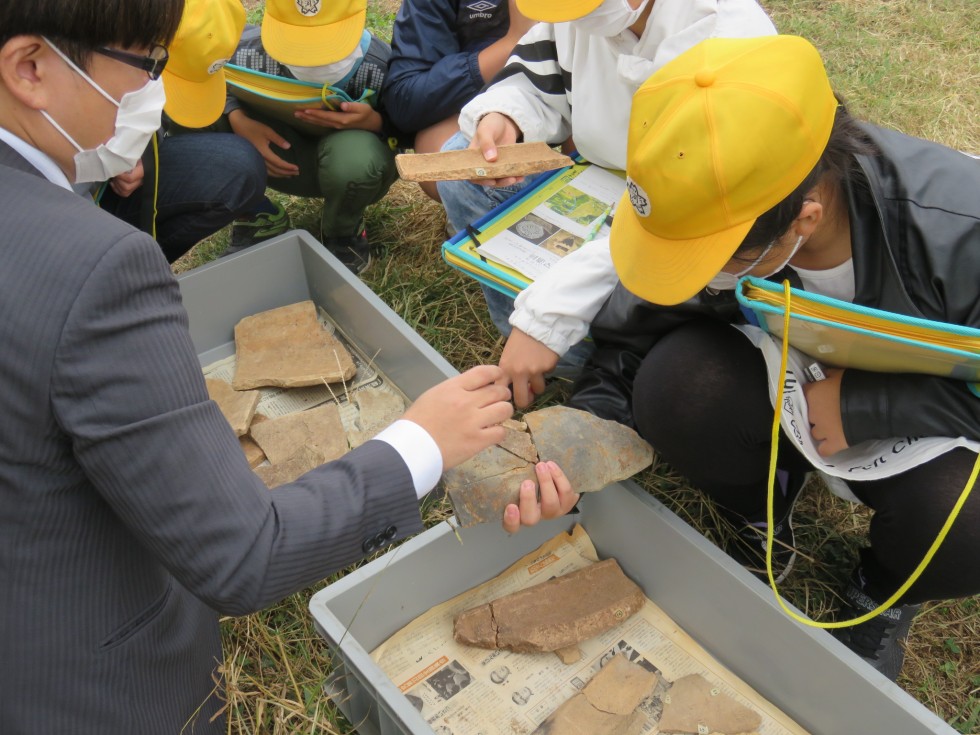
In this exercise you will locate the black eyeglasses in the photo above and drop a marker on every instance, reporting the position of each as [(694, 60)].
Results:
[(153, 63)]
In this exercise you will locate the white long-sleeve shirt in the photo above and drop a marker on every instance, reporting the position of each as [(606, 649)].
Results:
[(560, 82)]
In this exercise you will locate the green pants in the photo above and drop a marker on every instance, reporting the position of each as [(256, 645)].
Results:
[(350, 169)]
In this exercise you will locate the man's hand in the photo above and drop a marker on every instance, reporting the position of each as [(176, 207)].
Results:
[(125, 184), (525, 362), (263, 137), (351, 116), (823, 406), (495, 129), (463, 414), (556, 498)]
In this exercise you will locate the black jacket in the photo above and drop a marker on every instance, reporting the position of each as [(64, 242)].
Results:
[(915, 234)]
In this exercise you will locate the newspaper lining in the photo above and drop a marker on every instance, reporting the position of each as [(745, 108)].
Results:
[(462, 690), (276, 402)]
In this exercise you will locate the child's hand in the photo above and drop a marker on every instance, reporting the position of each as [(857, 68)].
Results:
[(495, 129), (525, 362), (557, 498), (350, 116), (263, 137), (125, 184), (823, 407)]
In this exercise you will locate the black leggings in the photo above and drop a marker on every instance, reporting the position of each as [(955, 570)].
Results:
[(701, 399)]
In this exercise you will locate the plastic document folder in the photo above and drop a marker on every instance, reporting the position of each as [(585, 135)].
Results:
[(520, 239), (841, 334), (279, 98)]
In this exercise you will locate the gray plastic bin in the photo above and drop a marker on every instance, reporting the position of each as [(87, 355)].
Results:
[(804, 671)]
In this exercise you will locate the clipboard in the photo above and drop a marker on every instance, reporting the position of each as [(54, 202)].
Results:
[(279, 98), (840, 334), (462, 250)]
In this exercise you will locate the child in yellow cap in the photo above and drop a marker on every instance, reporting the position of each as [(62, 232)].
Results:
[(351, 163), (574, 75), (740, 161), (186, 188)]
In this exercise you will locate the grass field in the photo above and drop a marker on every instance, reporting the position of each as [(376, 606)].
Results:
[(909, 64)]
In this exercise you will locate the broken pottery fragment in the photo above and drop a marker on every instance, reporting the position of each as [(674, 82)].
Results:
[(693, 705), (376, 410), (555, 614), (609, 704), (238, 407), (319, 429), (253, 452), (569, 654), (288, 347), (592, 452), (274, 475)]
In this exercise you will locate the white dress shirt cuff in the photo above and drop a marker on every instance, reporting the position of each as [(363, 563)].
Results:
[(420, 452)]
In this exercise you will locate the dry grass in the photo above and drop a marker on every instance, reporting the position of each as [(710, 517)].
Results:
[(909, 64)]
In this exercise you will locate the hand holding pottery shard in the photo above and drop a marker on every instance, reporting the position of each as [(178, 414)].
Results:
[(592, 452)]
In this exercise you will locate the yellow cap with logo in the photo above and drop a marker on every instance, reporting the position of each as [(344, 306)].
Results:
[(312, 32), (194, 77), (556, 11), (717, 137)]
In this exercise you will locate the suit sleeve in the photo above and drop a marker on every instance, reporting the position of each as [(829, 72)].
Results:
[(430, 77), (129, 392)]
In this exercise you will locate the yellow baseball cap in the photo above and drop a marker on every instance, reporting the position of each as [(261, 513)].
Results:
[(312, 32), (194, 77), (717, 137), (556, 11)]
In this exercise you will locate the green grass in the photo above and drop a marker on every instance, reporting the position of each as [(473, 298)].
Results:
[(912, 65)]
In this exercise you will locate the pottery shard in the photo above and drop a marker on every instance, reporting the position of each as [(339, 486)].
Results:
[(591, 452), (238, 407), (518, 159), (693, 705), (253, 452), (317, 429), (608, 705), (287, 347), (274, 475), (376, 409), (558, 613)]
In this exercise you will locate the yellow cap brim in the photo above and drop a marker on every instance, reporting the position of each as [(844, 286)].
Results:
[(312, 45), (668, 272), (556, 11), (194, 104)]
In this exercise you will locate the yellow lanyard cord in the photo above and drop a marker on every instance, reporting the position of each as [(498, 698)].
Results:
[(156, 185), (769, 505)]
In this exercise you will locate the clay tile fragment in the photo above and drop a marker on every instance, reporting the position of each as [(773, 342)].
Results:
[(274, 475), (287, 347), (376, 409), (556, 614), (320, 429), (592, 453), (238, 407), (693, 705), (609, 704)]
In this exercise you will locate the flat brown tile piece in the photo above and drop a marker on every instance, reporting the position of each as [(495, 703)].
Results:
[(238, 407), (318, 429), (692, 705), (287, 347)]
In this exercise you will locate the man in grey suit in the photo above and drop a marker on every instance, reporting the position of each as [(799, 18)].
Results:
[(129, 518)]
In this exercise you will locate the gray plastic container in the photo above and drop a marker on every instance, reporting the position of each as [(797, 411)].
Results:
[(804, 671)]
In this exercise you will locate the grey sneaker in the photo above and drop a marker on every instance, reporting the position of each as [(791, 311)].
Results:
[(748, 545), (878, 641)]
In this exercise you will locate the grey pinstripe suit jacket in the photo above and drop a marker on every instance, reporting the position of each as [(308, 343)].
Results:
[(129, 518)]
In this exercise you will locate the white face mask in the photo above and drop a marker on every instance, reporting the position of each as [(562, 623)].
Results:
[(609, 19), (328, 73), (726, 281), (137, 118)]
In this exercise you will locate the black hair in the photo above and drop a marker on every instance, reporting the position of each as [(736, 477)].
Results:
[(837, 164), (77, 27)]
